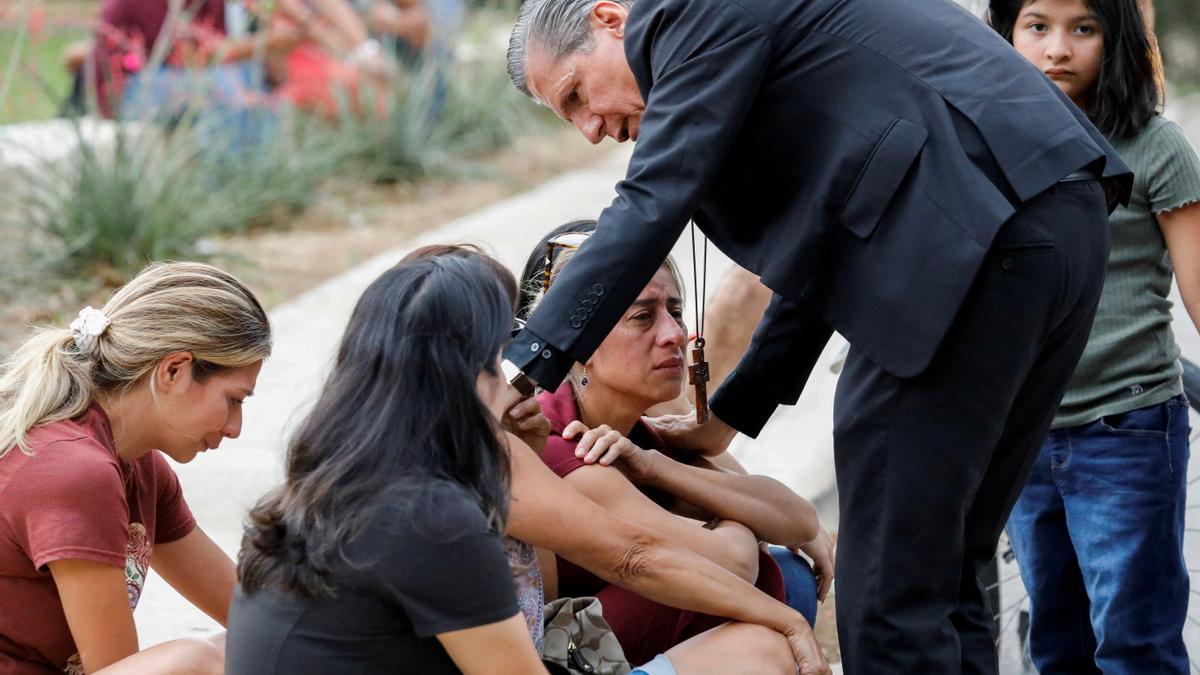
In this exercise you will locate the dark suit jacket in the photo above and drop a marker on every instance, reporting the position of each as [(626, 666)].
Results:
[(859, 155)]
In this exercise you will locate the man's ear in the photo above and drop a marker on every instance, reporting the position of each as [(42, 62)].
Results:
[(173, 369), (609, 16)]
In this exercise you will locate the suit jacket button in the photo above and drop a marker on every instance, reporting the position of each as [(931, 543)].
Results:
[(534, 347), (1006, 264), (598, 289), (576, 323), (546, 353)]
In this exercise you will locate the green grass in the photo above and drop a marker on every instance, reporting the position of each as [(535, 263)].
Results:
[(40, 82)]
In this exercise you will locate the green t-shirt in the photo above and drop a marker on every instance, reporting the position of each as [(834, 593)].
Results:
[(1131, 360)]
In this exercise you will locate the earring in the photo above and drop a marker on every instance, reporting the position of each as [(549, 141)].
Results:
[(584, 381)]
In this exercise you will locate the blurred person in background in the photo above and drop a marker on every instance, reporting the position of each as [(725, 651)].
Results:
[(420, 34), (155, 58), (205, 60)]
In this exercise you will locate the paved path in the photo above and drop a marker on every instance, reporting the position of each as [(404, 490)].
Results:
[(221, 486)]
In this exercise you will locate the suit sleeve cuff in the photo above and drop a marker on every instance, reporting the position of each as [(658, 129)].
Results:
[(543, 363), (742, 405)]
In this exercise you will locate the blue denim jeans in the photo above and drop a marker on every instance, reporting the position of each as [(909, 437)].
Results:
[(227, 103), (661, 665), (798, 581), (1098, 534)]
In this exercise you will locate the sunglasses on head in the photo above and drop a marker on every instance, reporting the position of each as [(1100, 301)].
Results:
[(565, 241)]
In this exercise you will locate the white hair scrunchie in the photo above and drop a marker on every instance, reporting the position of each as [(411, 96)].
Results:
[(88, 328)]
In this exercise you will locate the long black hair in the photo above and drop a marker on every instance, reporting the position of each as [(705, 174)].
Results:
[(400, 406), (535, 266), (1129, 92)]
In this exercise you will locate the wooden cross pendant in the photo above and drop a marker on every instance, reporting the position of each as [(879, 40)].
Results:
[(698, 378)]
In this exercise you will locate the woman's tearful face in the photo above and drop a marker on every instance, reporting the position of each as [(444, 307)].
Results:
[(643, 357)]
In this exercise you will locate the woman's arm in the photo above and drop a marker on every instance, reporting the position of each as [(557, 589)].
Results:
[(1181, 231), (201, 572), (96, 603), (278, 38), (501, 648), (405, 19), (769, 508), (547, 512), (732, 546), (333, 23)]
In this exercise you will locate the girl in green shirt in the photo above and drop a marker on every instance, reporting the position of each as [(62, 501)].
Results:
[(1098, 529)]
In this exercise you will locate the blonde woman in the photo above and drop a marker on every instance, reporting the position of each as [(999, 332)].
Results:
[(87, 501)]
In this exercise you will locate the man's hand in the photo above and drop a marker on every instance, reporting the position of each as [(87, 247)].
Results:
[(823, 552), (682, 431), (606, 446), (809, 659), (526, 421)]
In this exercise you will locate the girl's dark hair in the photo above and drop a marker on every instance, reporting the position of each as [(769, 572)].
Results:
[(1129, 92), (468, 251), (400, 407), (535, 266)]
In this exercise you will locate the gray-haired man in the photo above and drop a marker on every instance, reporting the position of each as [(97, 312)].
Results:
[(894, 171)]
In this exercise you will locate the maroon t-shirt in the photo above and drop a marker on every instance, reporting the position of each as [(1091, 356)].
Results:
[(643, 627), (74, 499)]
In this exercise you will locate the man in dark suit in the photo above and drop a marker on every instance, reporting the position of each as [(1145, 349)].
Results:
[(893, 171)]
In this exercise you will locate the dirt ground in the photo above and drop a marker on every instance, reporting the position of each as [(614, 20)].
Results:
[(359, 222)]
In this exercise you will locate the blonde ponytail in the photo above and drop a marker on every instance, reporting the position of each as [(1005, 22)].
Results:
[(45, 380), (166, 308)]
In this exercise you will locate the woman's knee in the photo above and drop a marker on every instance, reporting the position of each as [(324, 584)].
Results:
[(734, 649), (184, 656), (770, 650), (195, 656)]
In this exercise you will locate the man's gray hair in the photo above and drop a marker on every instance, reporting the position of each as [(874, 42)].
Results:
[(556, 27)]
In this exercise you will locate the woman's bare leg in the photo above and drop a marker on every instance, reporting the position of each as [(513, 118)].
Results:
[(734, 649), (185, 656)]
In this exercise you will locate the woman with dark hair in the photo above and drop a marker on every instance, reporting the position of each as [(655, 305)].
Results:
[(599, 445), (376, 553), (644, 563), (535, 265), (1098, 529), (1122, 92), (380, 552)]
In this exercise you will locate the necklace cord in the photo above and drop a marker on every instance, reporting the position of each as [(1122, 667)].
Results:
[(695, 282), (702, 300)]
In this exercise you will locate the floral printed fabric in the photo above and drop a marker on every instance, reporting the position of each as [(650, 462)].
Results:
[(527, 578), (137, 564)]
